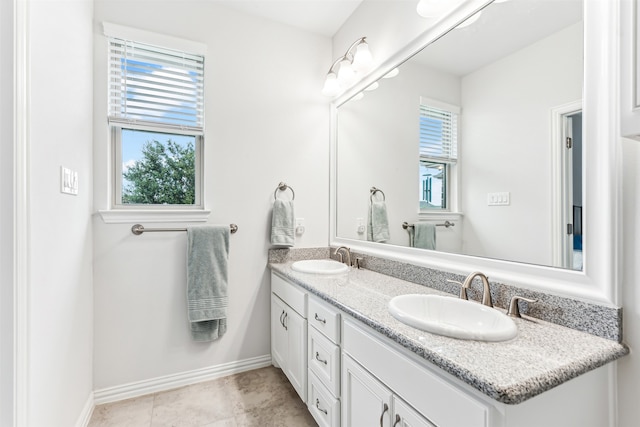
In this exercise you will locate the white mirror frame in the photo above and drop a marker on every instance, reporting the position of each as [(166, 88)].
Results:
[(599, 281)]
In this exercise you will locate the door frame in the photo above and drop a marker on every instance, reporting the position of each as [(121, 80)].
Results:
[(560, 182)]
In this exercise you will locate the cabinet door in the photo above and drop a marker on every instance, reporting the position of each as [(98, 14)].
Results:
[(279, 340), (406, 416), (366, 402), (296, 367)]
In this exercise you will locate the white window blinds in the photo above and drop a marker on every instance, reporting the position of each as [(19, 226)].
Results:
[(155, 86), (438, 131)]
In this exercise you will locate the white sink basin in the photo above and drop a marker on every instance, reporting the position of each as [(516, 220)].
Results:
[(320, 266), (453, 317)]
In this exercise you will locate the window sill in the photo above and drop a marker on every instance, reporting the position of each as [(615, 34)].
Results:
[(123, 216), (440, 215)]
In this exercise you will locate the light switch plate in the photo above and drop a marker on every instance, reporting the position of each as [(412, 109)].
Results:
[(499, 199), (68, 181)]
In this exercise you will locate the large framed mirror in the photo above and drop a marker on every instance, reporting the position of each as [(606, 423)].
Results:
[(479, 149)]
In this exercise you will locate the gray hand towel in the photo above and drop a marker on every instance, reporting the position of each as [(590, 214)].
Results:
[(283, 223), (378, 223), (207, 280), (422, 235)]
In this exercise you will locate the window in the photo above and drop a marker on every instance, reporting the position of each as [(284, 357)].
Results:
[(156, 116), (438, 153)]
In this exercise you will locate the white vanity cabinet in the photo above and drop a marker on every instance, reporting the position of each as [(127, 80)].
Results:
[(289, 332), (397, 390), (324, 363), (368, 402)]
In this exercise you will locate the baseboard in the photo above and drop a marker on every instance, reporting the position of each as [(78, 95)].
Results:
[(87, 411), (140, 388)]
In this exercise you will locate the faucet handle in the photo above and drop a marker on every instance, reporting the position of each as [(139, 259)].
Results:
[(514, 310), (463, 289), (357, 263)]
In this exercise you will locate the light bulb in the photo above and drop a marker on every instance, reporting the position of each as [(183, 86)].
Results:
[(432, 8), (346, 75), (331, 86), (470, 20), (362, 59)]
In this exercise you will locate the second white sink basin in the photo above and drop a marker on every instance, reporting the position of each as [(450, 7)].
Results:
[(320, 266), (453, 317)]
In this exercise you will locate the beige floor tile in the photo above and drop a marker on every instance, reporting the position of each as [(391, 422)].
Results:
[(192, 406), (263, 397), (127, 413), (231, 422), (260, 389)]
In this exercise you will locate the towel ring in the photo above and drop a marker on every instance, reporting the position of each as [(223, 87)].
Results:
[(375, 190), (283, 187)]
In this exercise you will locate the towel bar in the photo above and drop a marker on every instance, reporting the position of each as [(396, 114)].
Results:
[(283, 187), (447, 224), (138, 229)]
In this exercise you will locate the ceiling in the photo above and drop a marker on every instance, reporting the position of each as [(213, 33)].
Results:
[(323, 17)]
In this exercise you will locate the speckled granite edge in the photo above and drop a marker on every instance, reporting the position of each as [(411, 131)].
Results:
[(513, 393), (599, 320)]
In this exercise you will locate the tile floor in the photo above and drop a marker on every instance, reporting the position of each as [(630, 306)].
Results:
[(262, 397)]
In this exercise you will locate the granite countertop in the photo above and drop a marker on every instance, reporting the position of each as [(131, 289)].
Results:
[(542, 356)]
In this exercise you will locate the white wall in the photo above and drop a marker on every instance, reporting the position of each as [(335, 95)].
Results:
[(519, 91), (60, 271), (6, 214), (266, 122)]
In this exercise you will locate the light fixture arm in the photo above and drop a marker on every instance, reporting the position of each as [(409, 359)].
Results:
[(349, 55)]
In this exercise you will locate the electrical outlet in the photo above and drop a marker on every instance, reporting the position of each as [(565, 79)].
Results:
[(68, 181), (360, 228), (300, 226)]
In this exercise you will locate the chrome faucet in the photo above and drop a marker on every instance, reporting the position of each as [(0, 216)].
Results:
[(486, 292), (340, 256)]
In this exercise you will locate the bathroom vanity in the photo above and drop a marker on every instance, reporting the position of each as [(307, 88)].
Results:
[(355, 365)]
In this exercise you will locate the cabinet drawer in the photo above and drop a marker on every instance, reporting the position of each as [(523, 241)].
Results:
[(434, 397), (290, 294), (323, 406), (325, 319), (324, 361)]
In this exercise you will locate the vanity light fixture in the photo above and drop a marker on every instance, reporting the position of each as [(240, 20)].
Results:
[(346, 69)]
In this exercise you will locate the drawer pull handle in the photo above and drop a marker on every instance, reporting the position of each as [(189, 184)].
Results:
[(320, 319), (398, 419), (319, 408), (320, 360), (282, 321), (285, 321), (385, 408)]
